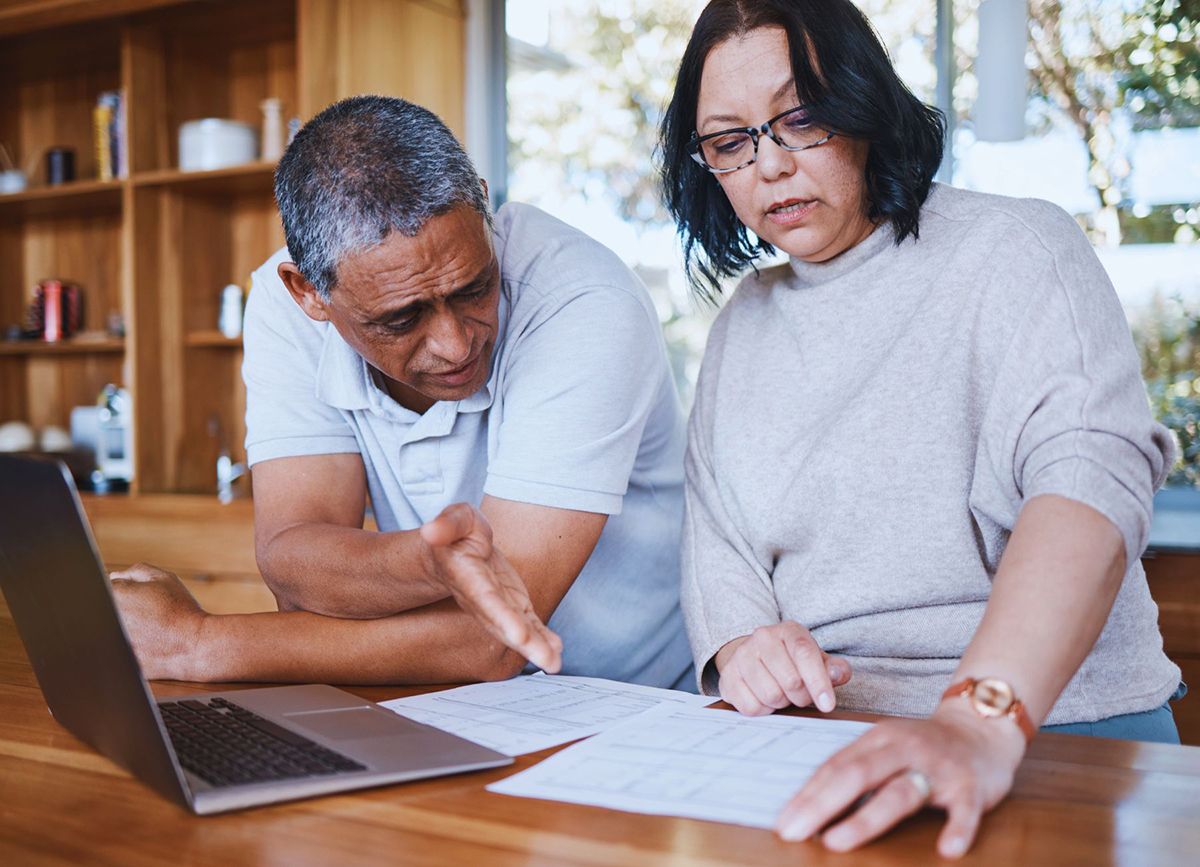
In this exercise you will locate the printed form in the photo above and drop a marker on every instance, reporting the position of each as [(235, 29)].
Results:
[(532, 712), (673, 760)]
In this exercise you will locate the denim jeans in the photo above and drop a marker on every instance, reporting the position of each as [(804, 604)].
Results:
[(1156, 725)]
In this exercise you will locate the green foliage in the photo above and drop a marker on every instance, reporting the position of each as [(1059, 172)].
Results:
[(1161, 65), (1168, 341), (1095, 59), (592, 127)]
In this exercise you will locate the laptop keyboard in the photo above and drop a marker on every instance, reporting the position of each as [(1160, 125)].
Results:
[(227, 745)]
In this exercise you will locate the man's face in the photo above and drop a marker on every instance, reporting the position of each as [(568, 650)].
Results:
[(422, 310)]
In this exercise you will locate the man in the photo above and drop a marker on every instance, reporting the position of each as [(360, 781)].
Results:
[(417, 350)]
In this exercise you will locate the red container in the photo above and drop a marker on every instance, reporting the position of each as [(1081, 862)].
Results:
[(52, 310)]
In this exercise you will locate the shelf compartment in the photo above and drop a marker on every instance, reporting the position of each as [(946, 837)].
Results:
[(42, 389), (51, 81), (217, 59)]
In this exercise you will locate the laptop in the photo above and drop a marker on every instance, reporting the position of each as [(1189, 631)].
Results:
[(208, 752)]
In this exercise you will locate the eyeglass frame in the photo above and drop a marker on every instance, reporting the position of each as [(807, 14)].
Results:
[(754, 132)]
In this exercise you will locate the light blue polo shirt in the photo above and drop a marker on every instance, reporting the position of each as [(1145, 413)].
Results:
[(579, 412)]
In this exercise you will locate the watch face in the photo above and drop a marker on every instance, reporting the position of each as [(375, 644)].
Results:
[(992, 696)]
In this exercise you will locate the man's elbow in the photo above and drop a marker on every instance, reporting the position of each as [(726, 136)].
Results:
[(285, 595)]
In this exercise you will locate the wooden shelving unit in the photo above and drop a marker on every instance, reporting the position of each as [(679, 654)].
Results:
[(159, 246)]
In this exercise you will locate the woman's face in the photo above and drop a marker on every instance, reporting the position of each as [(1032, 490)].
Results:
[(812, 203)]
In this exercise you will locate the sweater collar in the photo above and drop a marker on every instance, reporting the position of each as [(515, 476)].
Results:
[(813, 274)]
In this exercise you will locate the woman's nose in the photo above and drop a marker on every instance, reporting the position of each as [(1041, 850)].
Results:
[(773, 161)]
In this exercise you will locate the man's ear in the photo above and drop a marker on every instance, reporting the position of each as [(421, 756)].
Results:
[(303, 292), (486, 195)]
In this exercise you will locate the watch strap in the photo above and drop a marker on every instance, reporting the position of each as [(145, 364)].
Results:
[(1016, 711)]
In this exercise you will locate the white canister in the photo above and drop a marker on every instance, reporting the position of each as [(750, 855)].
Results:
[(231, 310), (215, 143), (12, 181)]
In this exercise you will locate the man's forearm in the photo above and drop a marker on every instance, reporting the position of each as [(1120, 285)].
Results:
[(439, 643), (1051, 597), (347, 572)]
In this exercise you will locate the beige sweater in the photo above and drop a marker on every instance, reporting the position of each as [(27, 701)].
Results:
[(866, 431)]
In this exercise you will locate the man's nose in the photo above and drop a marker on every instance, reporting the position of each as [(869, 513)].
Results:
[(773, 161), (449, 338)]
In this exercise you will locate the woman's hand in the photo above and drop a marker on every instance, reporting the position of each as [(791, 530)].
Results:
[(776, 666), (968, 761), (163, 621), (485, 584)]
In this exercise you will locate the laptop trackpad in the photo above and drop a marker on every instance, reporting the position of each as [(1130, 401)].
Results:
[(352, 723)]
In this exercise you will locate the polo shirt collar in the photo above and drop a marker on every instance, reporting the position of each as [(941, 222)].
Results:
[(343, 379)]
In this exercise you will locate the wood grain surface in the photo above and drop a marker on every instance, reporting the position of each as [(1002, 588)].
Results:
[(1077, 801)]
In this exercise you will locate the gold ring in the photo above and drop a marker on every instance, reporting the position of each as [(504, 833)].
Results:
[(921, 781)]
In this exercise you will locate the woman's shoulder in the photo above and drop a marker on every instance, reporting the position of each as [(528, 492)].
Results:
[(1033, 223)]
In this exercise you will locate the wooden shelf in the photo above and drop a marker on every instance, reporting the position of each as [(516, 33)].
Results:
[(211, 340), (158, 246), (247, 178), (75, 196), (73, 346)]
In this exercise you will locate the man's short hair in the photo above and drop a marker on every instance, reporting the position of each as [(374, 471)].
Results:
[(361, 169)]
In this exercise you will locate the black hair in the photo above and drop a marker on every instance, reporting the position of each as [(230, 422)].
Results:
[(846, 81)]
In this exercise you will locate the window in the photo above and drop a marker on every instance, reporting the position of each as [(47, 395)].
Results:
[(1104, 120)]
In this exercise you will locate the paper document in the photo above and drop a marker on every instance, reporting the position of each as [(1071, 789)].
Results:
[(673, 760), (533, 712)]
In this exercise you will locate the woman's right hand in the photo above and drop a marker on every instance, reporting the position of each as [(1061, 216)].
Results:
[(776, 666)]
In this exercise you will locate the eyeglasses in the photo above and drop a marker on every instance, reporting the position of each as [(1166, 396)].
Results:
[(733, 149)]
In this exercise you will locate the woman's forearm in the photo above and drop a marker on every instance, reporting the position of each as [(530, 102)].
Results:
[(1050, 599)]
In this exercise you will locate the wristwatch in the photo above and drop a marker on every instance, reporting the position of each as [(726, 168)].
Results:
[(992, 697)]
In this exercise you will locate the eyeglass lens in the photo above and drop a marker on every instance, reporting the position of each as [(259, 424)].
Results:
[(737, 148)]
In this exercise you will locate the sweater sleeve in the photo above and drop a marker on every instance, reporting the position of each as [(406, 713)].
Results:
[(1069, 413), (726, 593)]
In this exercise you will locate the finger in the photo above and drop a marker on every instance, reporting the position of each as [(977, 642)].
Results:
[(136, 572), (778, 661), (764, 685), (897, 799), (455, 522), (552, 661), (514, 622), (838, 668), (961, 826), (836, 785), (810, 662), (734, 690)]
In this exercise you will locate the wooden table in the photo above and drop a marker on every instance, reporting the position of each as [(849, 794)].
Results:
[(1077, 800)]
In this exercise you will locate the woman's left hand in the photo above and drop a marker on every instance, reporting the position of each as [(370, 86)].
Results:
[(968, 761)]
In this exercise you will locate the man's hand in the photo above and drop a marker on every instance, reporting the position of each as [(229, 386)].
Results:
[(776, 666), (485, 584), (163, 620)]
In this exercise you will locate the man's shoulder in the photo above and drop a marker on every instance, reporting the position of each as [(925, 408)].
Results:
[(271, 312)]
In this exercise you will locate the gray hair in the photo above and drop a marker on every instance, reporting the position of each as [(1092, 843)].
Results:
[(361, 169)]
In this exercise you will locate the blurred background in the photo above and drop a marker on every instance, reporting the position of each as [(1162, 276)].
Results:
[(1092, 104)]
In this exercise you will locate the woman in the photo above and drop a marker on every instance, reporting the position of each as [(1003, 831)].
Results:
[(922, 444)]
